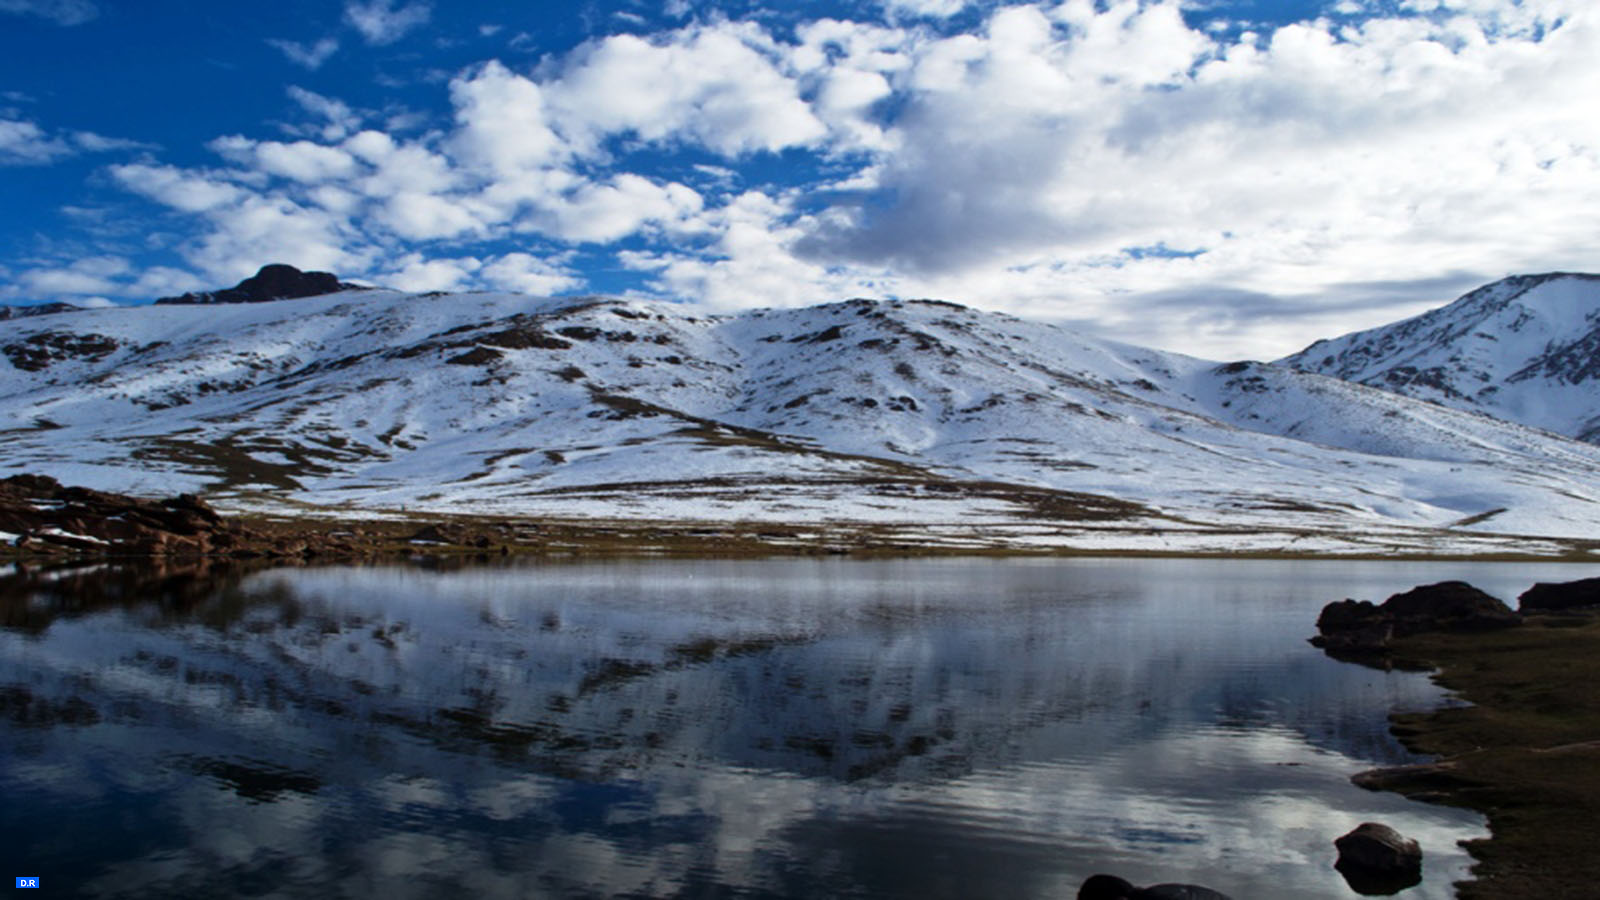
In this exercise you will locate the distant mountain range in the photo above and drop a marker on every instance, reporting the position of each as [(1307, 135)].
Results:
[(1525, 349), (922, 418), (42, 309)]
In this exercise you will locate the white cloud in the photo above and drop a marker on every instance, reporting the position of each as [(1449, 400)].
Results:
[(99, 143), (61, 12), (1050, 163), (26, 144), (309, 56), (611, 210), (527, 274), (413, 272), (89, 276), (272, 228), (716, 86), (301, 161), (339, 119), (936, 9), (382, 22), (503, 122), (174, 187)]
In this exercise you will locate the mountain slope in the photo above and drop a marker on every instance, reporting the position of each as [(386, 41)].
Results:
[(1525, 349), (938, 420)]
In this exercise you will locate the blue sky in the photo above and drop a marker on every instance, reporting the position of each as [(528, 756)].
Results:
[(1221, 178)]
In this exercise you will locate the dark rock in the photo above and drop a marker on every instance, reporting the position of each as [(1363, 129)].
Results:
[(54, 520), (274, 282), (438, 534), (1447, 606), (36, 352), (478, 356), (1560, 595), (1351, 626), (1376, 860), (1110, 887)]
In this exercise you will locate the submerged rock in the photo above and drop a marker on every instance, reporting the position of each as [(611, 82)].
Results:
[(1351, 625), (1376, 860), (1110, 887), (1546, 596)]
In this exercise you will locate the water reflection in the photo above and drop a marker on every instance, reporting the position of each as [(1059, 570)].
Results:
[(950, 728)]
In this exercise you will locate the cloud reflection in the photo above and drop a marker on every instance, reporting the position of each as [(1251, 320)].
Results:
[(795, 728)]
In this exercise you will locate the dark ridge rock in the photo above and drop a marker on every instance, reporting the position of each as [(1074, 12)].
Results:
[(41, 309), (274, 282), (522, 337), (1560, 595), (1358, 626), (1377, 860)]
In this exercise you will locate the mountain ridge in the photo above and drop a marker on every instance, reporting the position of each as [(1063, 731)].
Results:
[(937, 420), (1525, 349)]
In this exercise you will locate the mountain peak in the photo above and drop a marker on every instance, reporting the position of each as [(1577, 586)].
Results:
[(275, 281), (1523, 348)]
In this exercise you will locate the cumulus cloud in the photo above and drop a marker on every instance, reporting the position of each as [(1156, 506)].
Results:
[(308, 56), (174, 187), (61, 12), (528, 274), (1220, 192), (721, 87), (382, 22)]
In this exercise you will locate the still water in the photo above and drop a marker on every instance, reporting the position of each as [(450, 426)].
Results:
[(792, 728)]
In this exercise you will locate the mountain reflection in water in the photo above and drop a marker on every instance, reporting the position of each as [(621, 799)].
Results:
[(784, 728)]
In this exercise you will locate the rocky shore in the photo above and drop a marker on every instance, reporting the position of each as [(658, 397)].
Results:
[(1526, 753), (44, 520)]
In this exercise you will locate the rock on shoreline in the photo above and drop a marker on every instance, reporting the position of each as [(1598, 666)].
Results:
[(1361, 626), (41, 517)]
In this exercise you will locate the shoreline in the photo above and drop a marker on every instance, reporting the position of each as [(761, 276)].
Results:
[(384, 534), (1525, 754)]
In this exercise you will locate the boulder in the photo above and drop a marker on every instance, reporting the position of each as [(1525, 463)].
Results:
[(1110, 887), (1447, 606), (1549, 596), (1359, 626), (1377, 860)]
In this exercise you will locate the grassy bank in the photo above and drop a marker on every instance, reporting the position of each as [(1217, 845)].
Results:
[(1526, 753)]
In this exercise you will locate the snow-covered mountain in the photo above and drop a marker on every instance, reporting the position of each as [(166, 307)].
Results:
[(1525, 349), (922, 417)]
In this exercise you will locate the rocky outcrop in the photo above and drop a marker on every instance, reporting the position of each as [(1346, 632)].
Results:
[(1553, 596), (1110, 887), (1377, 860), (274, 282), (1356, 626), (37, 352), (41, 517)]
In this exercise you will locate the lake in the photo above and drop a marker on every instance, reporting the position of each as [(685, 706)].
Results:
[(961, 728)]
